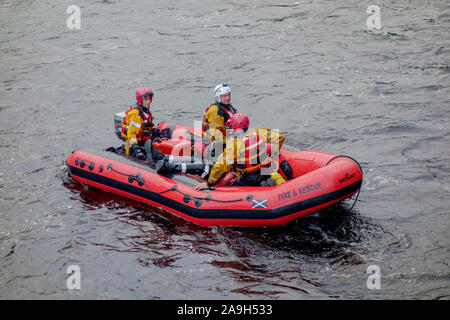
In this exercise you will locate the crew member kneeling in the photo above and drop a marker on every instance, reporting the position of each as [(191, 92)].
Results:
[(246, 155)]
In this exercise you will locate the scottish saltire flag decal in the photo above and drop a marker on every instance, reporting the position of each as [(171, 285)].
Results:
[(259, 204)]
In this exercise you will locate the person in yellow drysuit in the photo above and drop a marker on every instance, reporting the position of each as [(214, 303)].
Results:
[(217, 117), (138, 124), (247, 154)]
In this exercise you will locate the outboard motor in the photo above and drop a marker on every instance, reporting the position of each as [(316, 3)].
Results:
[(118, 120)]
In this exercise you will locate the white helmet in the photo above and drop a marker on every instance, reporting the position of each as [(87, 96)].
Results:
[(221, 89)]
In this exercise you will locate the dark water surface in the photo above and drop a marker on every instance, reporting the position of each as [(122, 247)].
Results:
[(310, 68)]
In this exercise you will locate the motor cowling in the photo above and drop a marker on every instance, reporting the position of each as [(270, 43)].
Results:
[(118, 121)]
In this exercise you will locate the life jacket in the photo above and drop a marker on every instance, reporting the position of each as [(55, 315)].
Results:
[(255, 155), (226, 112), (145, 133)]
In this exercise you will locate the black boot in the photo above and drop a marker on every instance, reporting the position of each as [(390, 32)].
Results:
[(166, 166), (160, 166), (137, 151), (271, 183)]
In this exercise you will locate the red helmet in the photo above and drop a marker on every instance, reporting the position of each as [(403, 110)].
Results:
[(239, 121), (141, 93)]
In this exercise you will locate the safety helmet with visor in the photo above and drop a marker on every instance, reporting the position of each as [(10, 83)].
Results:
[(142, 93), (221, 89)]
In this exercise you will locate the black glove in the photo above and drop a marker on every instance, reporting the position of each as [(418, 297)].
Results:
[(156, 133), (136, 151)]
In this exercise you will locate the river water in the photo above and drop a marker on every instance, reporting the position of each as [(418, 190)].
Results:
[(312, 69)]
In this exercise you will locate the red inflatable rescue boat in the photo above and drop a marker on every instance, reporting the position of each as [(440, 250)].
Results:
[(320, 180)]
